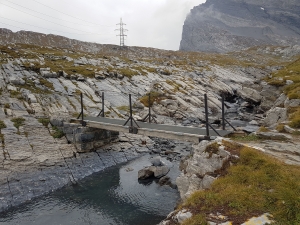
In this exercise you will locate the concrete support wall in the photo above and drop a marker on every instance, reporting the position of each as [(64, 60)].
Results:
[(87, 139)]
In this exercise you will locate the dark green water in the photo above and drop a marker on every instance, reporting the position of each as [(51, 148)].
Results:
[(111, 197)]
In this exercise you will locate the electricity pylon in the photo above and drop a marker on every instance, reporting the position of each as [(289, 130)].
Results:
[(122, 30)]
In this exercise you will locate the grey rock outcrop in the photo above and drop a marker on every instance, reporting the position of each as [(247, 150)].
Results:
[(222, 26), (196, 174), (275, 115)]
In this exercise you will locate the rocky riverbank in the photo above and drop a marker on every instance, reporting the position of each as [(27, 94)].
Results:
[(211, 160), (35, 163)]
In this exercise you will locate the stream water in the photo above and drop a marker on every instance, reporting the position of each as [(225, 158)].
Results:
[(111, 197)]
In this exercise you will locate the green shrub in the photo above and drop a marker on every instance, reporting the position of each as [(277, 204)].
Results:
[(44, 121), (6, 106), (47, 84), (18, 121), (123, 108), (2, 139), (212, 149), (249, 137), (128, 72), (280, 128), (16, 94), (154, 97), (263, 129), (57, 132), (295, 117), (2, 125)]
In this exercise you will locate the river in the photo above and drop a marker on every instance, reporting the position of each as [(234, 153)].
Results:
[(110, 197)]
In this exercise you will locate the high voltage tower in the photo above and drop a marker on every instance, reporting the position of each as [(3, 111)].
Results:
[(122, 30)]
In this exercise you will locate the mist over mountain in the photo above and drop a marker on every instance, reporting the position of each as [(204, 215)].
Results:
[(228, 25)]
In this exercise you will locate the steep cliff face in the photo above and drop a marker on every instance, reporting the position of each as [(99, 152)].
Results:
[(227, 25)]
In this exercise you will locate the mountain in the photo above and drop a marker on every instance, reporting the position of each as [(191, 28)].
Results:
[(228, 25)]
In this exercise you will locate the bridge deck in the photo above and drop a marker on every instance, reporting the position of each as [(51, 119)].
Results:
[(156, 130)]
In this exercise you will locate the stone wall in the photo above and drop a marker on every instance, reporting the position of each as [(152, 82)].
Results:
[(87, 139)]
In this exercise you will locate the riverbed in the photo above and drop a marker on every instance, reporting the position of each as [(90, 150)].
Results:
[(113, 196)]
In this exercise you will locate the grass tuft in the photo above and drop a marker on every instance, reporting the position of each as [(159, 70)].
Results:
[(255, 185), (280, 128), (2, 125), (295, 117), (18, 121), (57, 132), (44, 121), (154, 97), (263, 129), (212, 149)]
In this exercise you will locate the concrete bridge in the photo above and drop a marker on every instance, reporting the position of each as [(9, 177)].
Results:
[(191, 134)]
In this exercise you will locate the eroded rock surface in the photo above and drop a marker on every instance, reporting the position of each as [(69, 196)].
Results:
[(222, 26)]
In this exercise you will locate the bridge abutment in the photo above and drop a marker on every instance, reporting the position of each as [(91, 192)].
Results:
[(87, 139)]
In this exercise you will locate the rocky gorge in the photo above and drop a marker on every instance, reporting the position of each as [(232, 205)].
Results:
[(40, 89)]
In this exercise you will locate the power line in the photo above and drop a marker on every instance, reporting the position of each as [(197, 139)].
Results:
[(47, 20), (70, 15), (122, 35), (43, 27), (52, 16)]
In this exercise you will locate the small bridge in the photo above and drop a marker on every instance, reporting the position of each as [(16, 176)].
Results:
[(191, 134)]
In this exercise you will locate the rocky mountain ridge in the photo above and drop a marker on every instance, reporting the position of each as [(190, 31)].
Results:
[(222, 26)]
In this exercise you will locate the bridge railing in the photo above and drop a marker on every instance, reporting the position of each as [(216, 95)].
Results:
[(133, 128)]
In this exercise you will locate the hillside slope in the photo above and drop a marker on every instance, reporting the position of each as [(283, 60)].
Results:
[(222, 26)]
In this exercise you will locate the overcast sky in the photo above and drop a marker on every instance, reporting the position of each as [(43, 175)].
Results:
[(150, 23)]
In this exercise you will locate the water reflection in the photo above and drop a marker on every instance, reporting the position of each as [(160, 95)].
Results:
[(111, 197)]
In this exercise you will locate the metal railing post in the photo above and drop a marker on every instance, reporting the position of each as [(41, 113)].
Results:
[(102, 104), (206, 114), (149, 108), (223, 112), (81, 102), (130, 108)]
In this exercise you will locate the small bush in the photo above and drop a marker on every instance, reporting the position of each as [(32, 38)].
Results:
[(249, 137), (212, 149), (6, 106), (126, 72), (124, 108), (57, 132), (154, 97), (16, 94), (44, 121), (47, 84), (263, 129), (280, 128), (2, 125), (2, 139), (18, 121), (295, 117)]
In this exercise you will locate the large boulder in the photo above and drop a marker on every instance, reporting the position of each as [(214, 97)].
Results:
[(153, 171), (249, 94), (16, 81), (291, 103), (274, 136), (275, 115), (196, 174), (46, 73)]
